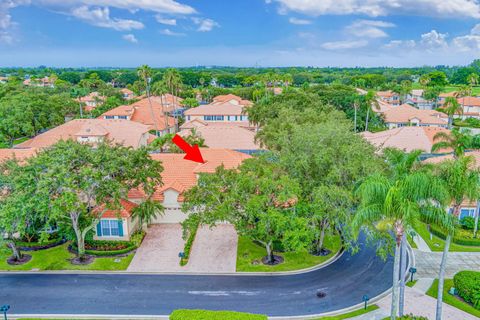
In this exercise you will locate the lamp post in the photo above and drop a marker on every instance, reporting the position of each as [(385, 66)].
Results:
[(4, 309), (365, 299), (412, 272)]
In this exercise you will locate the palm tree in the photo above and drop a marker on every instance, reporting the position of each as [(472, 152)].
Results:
[(173, 81), (472, 79), (457, 141), (144, 73), (461, 183), (424, 80), (452, 107), (371, 102), (160, 89), (464, 91), (147, 211), (397, 202)]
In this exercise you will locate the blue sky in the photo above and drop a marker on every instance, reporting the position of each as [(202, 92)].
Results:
[(239, 32)]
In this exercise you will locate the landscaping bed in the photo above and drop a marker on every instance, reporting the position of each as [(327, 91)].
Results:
[(437, 244), (111, 247), (34, 246), (183, 314), (250, 254), (454, 301)]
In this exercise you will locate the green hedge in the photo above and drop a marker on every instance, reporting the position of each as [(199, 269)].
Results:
[(188, 245), (468, 285), (127, 246), (214, 315), (456, 239), (37, 244)]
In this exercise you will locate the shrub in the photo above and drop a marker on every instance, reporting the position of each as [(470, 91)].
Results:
[(467, 284), (461, 237), (112, 247), (467, 223), (412, 317), (214, 315), (188, 244)]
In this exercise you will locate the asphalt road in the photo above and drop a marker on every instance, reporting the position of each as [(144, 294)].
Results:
[(344, 282)]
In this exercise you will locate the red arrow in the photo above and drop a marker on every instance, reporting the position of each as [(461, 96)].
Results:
[(192, 152)]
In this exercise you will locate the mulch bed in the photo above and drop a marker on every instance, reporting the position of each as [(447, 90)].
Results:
[(24, 259), (42, 247), (276, 260), (82, 261)]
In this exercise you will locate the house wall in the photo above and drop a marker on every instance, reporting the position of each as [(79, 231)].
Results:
[(129, 227)]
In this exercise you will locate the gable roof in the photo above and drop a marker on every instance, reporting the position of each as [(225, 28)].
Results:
[(405, 113), (475, 154), (216, 109), (124, 132), (92, 96), (180, 174), (229, 97), (224, 135), (405, 138), (386, 94), (124, 211), (469, 101)]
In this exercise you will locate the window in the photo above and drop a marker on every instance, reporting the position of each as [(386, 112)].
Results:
[(109, 117), (122, 117), (110, 228), (213, 118), (467, 212)]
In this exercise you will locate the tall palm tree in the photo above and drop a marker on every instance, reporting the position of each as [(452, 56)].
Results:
[(464, 91), (472, 79), (173, 81), (451, 107), (396, 201), (457, 141), (425, 80), (144, 73), (160, 89), (370, 102), (461, 182), (147, 211)]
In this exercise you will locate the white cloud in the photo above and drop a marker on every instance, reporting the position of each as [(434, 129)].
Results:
[(400, 44), (375, 8), (205, 25), (6, 23), (299, 21), (344, 45), (167, 21), (468, 42), (434, 40), (130, 38), (169, 32), (369, 28), (160, 6), (101, 18)]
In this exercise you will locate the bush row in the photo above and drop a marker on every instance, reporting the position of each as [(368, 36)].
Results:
[(188, 245), (467, 284), (456, 239), (214, 315), (112, 247), (30, 246)]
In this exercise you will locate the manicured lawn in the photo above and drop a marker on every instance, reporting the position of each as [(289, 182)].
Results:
[(350, 314), (411, 242), (449, 88), (58, 259), (437, 244), (411, 283), (452, 300), (249, 256)]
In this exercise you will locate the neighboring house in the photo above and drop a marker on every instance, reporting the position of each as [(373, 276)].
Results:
[(19, 154), (224, 108), (92, 100), (42, 82), (361, 91), (443, 96), (179, 175), (416, 99), (390, 97), (93, 131), (471, 107), (117, 224), (3, 80), (382, 107), (225, 135), (127, 94), (406, 115), (405, 138), (142, 113), (468, 208)]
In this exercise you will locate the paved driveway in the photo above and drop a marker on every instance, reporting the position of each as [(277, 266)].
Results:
[(213, 251), (428, 263)]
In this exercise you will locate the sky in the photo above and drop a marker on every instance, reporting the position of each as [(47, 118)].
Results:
[(245, 33)]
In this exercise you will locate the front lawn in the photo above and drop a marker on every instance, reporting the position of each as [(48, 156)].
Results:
[(249, 256), (57, 258), (452, 300), (437, 244)]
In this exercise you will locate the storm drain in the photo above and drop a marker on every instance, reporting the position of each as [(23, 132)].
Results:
[(321, 294)]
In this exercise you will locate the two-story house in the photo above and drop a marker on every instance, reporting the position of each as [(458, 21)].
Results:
[(224, 108), (389, 96), (471, 107), (92, 100), (415, 98), (406, 115)]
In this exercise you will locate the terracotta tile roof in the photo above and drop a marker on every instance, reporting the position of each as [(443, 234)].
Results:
[(225, 135), (229, 97), (141, 113), (386, 94), (216, 109), (124, 132), (405, 138), (126, 91), (417, 92), (475, 154), (92, 96), (181, 175), (19, 154), (448, 94), (383, 107), (125, 210), (405, 113), (469, 101)]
